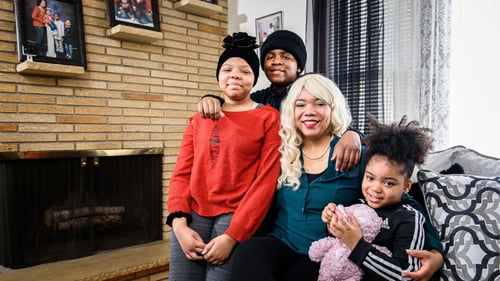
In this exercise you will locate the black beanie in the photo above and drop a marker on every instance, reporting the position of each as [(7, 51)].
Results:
[(240, 45), (288, 41)]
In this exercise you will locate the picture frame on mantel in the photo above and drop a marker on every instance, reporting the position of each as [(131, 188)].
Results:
[(135, 13), (55, 38), (266, 25)]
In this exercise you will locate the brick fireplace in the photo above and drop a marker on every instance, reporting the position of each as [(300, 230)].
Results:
[(61, 205), (133, 95)]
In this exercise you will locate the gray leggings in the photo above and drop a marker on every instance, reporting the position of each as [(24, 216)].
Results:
[(182, 269)]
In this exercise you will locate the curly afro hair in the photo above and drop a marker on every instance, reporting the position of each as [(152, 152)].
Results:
[(402, 142)]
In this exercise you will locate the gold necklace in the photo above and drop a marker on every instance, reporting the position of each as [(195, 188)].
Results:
[(327, 148)]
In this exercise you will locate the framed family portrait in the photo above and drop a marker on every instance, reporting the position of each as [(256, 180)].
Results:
[(266, 25), (135, 13), (50, 31)]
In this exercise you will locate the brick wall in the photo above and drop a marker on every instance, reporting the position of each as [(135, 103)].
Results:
[(132, 95)]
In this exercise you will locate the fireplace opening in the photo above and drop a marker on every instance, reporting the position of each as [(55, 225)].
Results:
[(64, 205)]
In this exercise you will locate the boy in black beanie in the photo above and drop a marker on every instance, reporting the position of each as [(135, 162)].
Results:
[(283, 58)]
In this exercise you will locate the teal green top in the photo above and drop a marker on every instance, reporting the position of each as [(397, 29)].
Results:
[(299, 212)]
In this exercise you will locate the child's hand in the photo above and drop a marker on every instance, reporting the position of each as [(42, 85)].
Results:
[(191, 242), (328, 213), (346, 229), (217, 251)]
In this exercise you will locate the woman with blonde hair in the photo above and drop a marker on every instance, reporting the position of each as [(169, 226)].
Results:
[(313, 117), (294, 138)]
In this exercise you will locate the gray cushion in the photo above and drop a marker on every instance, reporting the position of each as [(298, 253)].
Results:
[(443, 159), (465, 210), (439, 160), (475, 163)]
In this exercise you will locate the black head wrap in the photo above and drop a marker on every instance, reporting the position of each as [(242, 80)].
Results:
[(240, 45)]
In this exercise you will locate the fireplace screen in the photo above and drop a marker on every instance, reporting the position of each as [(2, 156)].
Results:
[(58, 208)]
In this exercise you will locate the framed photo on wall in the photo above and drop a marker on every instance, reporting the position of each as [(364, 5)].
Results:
[(266, 25), (135, 13), (50, 31)]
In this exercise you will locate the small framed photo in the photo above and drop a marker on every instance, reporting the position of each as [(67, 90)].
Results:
[(266, 25), (135, 13), (50, 31)]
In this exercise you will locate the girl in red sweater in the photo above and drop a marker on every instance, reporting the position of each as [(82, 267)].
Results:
[(226, 172)]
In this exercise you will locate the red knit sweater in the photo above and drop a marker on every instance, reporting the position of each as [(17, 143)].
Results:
[(241, 178)]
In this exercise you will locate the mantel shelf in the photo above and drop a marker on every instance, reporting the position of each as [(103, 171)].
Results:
[(129, 33), (49, 69), (198, 7)]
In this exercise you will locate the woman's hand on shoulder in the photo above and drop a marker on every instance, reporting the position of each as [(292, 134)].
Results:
[(347, 151)]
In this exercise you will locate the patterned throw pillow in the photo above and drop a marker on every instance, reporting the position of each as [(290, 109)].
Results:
[(465, 212)]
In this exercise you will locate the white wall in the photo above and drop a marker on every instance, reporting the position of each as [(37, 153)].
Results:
[(474, 93), (242, 15)]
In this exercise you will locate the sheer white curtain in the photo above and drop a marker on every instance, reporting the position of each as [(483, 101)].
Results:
[(417, 62), (435, 68)]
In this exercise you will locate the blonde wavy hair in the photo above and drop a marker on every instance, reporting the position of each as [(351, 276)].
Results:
[(291, 138)]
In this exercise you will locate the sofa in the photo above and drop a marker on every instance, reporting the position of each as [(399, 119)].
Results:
[(460, 189)]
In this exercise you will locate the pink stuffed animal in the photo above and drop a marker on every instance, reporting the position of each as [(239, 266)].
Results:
[(333, 254)]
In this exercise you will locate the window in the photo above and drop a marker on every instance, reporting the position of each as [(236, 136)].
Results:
[(350, 51), (434, 61)]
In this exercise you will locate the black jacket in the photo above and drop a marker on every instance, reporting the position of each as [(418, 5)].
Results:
[(403, 228), (269, 96)]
